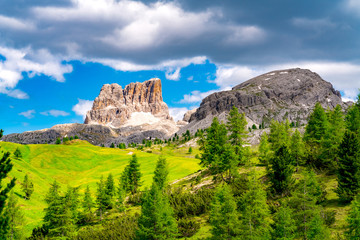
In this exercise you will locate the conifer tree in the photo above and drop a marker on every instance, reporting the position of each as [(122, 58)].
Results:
[(349, 167), (133, 175), (317, 230), (17, 154), (280, 171), (297, 148), (317, 125), (27, 187), (5, 168), (236, 126), (264, 149), (284, 224), (121, 195), (255, 214), (218, 155), (87, 204), (72, 200), (161, 173), (102, 199), (353, 117), (353, 220), (157, 217), (16, 218), (279, 134), (110, 186), (224, 218)]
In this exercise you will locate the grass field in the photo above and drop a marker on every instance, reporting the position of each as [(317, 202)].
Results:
[(80, 164)]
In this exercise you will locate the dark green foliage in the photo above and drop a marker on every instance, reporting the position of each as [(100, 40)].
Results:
[(236, 126), (284, 225), (264, 149), (218, 155), (353, 118), (122, 146), (156, 220), (17, 154), (121, 228), (110, 186), (353, 220), (255, 217), (72, 201), (188, 227), (279, 134), (65, 139), (317, 125), (190, 150), (16, 217), (58, 215), (161, 172), (253, 126), (297, 148), (58, 141), (27, 187), (112, 145), (76, 137), (71, 138), (349, 167), (280, 171), (317, 229), (224, 218), (1, 133), (5, 168), (130, 178), (103, 200), (87, 204), (186, 204)]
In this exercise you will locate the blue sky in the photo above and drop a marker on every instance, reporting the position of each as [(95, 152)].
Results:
[(56, 55)]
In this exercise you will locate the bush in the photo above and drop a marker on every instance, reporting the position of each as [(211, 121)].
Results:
[(76, 137), (329, 217), (58, 141), (188, 227)]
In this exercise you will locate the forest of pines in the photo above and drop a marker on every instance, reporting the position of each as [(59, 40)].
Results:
[(287, 199)]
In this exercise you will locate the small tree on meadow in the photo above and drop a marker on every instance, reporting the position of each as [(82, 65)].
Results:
[(27, 187)]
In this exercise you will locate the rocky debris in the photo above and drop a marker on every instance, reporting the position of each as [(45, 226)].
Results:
[(284, 94), (188, 114), (115, 106)]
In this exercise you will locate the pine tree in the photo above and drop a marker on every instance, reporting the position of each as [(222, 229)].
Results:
[(317, 125), (353, 220), (27, 187), (353, 118), (284, 224), (280, 171), (279, 134), (349, 167), (264, 149), (134, 174), (87, 204), (121, 195), (161, 173), (236, 126), (16, 217), (297, 148), (190, 150), (17, 154), (317, 230), (157, 217), (110, 186), (72, 200), (102, 199), (255, 214), (218, 155), (5, 168), (224, 218)]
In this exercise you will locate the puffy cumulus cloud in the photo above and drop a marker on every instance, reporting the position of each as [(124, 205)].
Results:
[(230, 75), (32, 62), (28, 114), (178, 113), (55, 113), (196, 96), (82, 107)]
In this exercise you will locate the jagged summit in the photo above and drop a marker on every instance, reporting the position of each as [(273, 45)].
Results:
[(283, 94), (135, 104)]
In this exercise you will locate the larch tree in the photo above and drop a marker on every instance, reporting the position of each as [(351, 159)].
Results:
[(297, 148), (353, 220), (264, 149), (224, 217), (5, 168), (349, 167), (87, 204), (236, 126), (103, 200), (16, 217), (27, 187), (161, 173), (279, 134), (284, 224)]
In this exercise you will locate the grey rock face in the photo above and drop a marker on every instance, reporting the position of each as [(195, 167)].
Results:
[(285, 94)]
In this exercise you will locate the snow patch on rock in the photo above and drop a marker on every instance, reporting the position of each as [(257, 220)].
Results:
[(140, 118)]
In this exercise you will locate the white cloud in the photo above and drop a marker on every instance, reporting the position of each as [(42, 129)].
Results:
[(55, 113), (190, 78), (28, 114), (82, 107), (29, 61), (15, 24), (314, 24), (174, 75), (178, 113), (231, 75), (196, 96), (353, 6), (245, 35)]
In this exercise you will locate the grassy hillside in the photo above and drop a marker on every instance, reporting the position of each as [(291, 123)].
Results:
[(81, 164)]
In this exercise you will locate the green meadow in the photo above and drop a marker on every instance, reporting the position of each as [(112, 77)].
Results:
[(79, 164)]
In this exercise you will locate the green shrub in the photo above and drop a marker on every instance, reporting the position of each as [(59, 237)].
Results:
[(188, 227)]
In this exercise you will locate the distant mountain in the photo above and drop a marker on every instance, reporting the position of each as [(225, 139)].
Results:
[(283, 94)]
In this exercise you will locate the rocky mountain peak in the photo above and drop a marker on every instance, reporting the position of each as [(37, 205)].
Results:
[(115, 106)]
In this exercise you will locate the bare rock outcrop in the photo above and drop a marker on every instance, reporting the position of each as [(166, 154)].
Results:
[(115, 106), (284, 94)]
